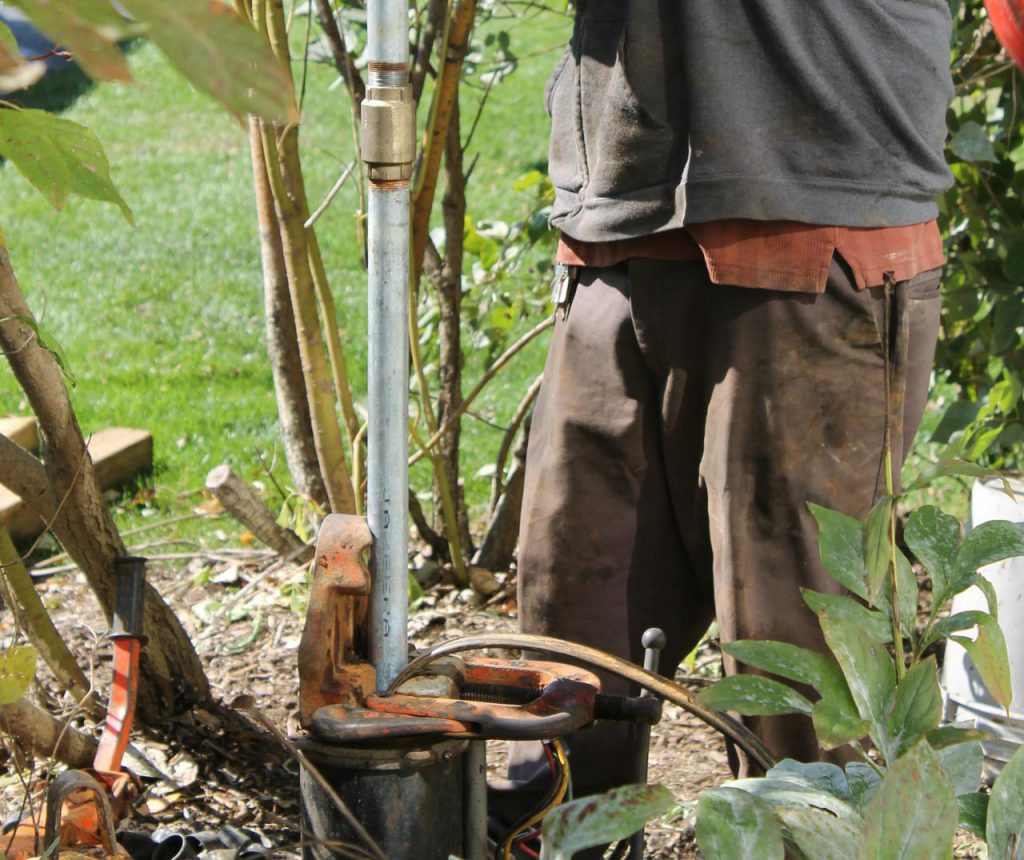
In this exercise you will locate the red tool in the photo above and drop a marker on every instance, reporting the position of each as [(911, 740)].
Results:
[(1007, 17), (82, 806)]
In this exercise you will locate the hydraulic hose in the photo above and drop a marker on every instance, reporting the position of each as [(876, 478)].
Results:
[(597, 659)]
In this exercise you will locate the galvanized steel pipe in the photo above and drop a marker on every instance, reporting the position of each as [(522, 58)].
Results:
[(388, 144)]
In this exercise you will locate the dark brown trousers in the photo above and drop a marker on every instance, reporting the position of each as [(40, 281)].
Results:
[(681, 429)]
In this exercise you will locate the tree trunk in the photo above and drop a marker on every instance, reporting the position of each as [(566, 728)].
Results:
[(64, 493), (282, 343), (499, 544)]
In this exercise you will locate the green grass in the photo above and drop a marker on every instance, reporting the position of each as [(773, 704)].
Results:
[(162, 324)]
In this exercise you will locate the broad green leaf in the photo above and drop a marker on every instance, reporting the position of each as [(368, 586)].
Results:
[(820, 835), (17, 669), (821, 774), (791, 662), (735, 825), (600, 819), (950, 736), (952, 624), (840, 608), (934, 537), (753, 695), (913, 816), (864, 782), (971, 143), (990, 658), (917, 708), (1004, 830), (906, 589), (836, 722), (962, 764), (876, 548), (90, 29), (973, 813), (58, 157), (985, 544), (991, 598), (869, 672), (220, 55), (841, 546), (796, 792)]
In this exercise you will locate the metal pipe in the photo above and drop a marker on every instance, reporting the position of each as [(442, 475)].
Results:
[(388, 138), (474, 765)]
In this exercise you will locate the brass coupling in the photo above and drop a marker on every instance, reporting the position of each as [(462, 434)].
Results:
[(388, 120)]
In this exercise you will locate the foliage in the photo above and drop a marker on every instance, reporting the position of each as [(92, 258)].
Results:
[(17, 669), (600, 819), (981, 350), (923, 781)]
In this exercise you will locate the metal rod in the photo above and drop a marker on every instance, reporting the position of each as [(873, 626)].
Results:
[(387, 472), (475, 820)]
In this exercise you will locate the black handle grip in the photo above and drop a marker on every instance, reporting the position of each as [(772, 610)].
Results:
[(130, 585)]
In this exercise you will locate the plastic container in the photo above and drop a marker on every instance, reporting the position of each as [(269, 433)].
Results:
[(967, 699)]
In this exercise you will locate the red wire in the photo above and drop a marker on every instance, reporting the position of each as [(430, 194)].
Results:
[(529, 852)]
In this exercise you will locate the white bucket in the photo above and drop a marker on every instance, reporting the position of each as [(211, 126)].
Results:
[(967, 699)]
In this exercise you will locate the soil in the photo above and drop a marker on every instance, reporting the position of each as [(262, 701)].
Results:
[(211, 768)]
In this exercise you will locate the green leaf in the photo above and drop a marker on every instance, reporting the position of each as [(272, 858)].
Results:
[(917, 707), (934, 537), (913, 815), (221, 55), (951, 467), (985, 544), (949, 736), (991, 598), (973, 813), (796, 792), (602, 818), (952, 624), (864, 782), (820, 835), (906, 589), (840, 608), (735, 825), (90, 29), (963, 764), (821, 774), (876, 548), (1004, 829), (841, 546), (17, 669), (836, 722), (790, 662), (869, 672), (990, 658), (753, 695), (971, 143), (58, 157)]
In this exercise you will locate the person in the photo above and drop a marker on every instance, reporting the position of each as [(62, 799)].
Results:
[(748, 297)]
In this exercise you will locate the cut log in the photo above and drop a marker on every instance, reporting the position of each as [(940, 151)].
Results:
[(22, 430), (242, 501), (38, 732), (118, 454)]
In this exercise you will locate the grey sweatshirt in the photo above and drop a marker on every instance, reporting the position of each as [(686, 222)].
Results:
[(674, 112)]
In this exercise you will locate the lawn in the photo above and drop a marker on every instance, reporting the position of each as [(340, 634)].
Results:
[(162, 323)]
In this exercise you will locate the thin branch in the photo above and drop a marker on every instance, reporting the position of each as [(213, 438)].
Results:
[(492, 371), (525, 405)]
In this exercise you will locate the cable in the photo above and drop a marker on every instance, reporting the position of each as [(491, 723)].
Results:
[(553, 799)]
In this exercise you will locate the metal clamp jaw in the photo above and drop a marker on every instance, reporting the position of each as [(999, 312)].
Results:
[(388, 121)]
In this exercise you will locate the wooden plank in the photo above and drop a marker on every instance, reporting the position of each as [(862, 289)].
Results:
[(119, 454), (21, 430)]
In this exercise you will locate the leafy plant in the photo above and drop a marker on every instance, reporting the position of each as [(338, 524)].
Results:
[(879, 682)]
